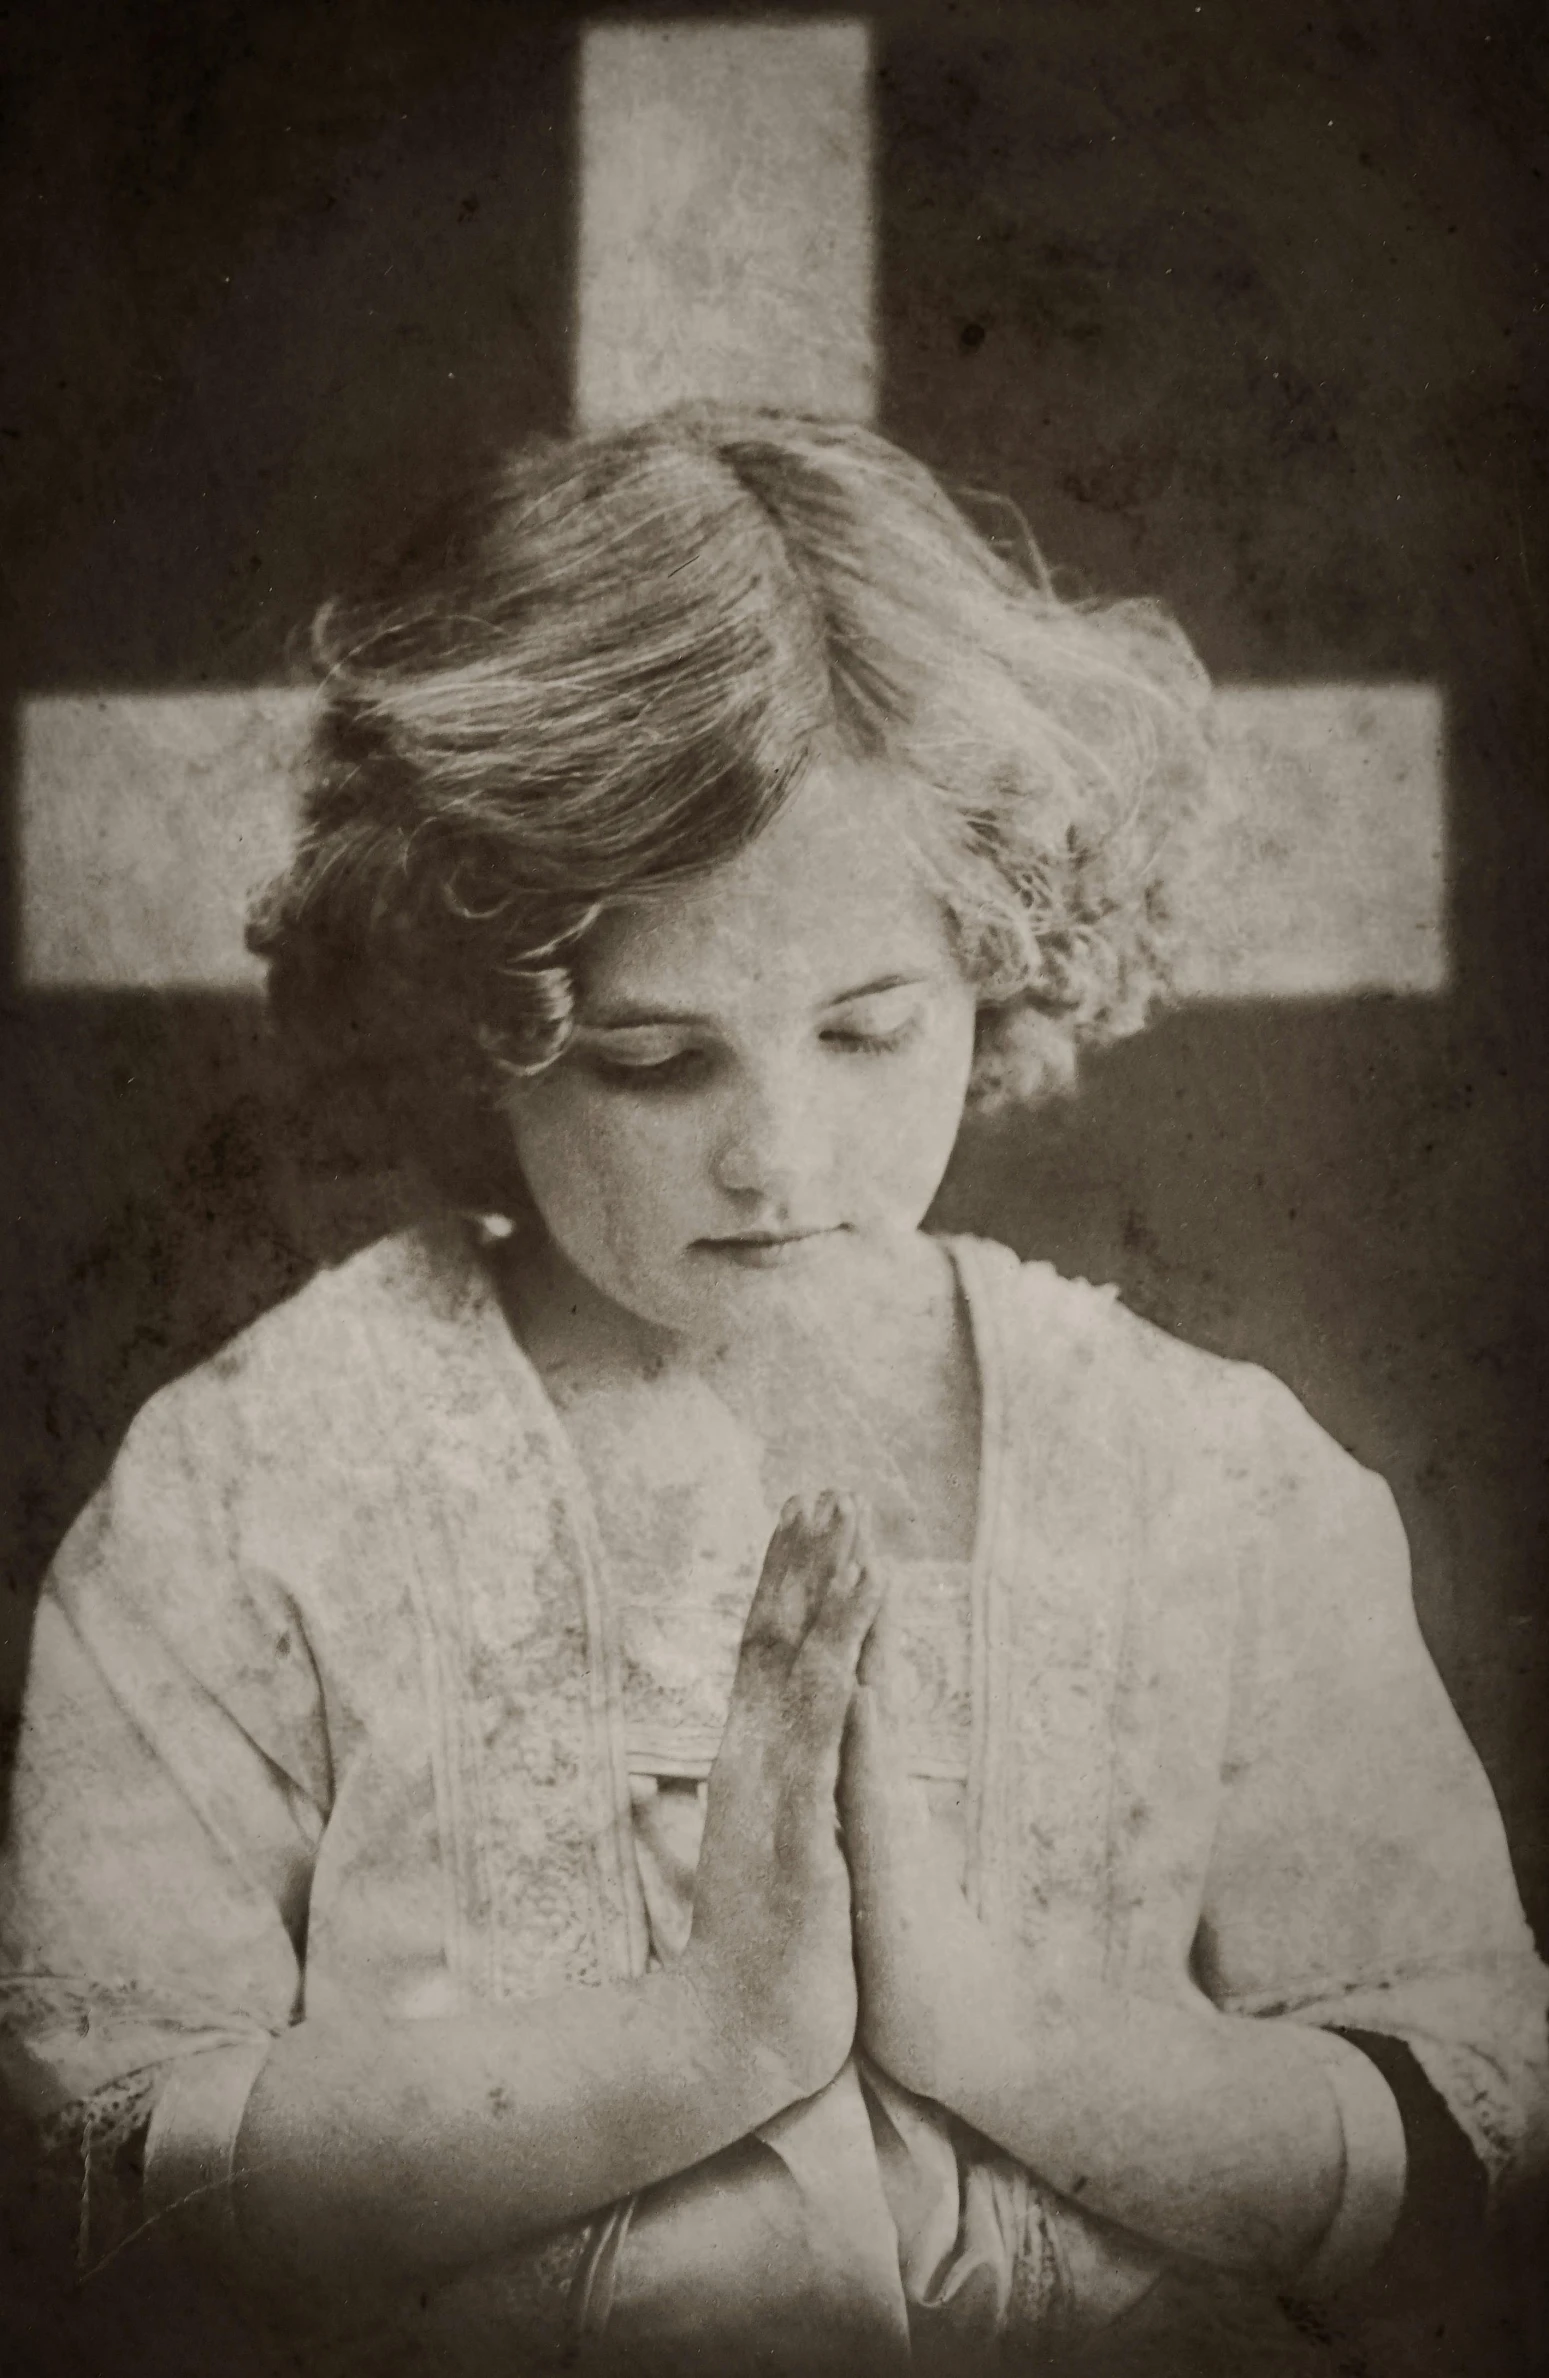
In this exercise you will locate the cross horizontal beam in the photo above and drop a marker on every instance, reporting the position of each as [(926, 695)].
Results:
[(149, 820)]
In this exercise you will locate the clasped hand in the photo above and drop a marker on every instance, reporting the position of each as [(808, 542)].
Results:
[(825, 1917), (826, 1923)]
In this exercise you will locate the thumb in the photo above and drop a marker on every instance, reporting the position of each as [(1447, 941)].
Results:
[(879, 1670)]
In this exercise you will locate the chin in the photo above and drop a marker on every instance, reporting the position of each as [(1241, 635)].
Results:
[(730, 1278), (710, 1287)]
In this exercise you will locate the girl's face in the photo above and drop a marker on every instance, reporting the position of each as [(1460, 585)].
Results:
[(767, 1073)]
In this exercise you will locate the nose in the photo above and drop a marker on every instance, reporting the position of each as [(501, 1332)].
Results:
[(770, 1142)]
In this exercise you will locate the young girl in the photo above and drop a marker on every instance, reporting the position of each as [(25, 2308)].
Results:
[(512, 1892)]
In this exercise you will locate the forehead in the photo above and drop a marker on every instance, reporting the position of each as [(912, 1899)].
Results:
[(830, 895)]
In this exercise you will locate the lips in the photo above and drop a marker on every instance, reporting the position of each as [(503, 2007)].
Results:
[(761, 1251)]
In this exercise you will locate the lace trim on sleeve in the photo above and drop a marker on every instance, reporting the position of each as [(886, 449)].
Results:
[(99, 2144)]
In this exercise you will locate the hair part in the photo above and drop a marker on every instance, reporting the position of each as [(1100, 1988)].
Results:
[(606, 672)]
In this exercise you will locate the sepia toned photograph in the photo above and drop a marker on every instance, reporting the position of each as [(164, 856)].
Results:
[(774, 1036)]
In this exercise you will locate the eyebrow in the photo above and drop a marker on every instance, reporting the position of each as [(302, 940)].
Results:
[(633, 1016)]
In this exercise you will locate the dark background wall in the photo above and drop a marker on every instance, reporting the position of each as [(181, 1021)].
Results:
[(1241, 302), (1245, 306)]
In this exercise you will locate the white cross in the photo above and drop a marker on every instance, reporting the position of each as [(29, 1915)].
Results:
[(727, 249)]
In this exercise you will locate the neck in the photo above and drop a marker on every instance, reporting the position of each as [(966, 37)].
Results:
[(574, 1331), (568, 1326)]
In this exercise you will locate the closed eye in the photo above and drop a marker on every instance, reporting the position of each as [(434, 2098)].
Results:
[(680, 1069), (876, 1022), (647, 1056), (871, 1044)]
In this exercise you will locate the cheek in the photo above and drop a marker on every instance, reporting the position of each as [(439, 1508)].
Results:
[(904, 1129), (604, 1174)]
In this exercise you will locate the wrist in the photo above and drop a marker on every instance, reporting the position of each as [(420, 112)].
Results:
[(746, 2069), (985, 2018), (940, 2006)]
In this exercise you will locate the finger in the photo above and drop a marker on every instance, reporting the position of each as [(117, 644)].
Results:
[(860, 1745), (832, 1547), (877, 1667), (815, 1550), (825, 1667), (880, 1804), (777, 1614), (861, 1793), (811, 1539), (855, 1595)]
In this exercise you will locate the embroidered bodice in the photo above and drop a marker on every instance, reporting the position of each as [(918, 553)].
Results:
[(335, 1701), (678, 1658)]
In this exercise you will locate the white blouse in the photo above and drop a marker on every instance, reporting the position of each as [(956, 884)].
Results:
[(332, 1702)]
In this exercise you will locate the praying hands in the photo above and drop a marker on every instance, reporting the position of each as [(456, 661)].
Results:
[(1208, 2135), (926, 1967)]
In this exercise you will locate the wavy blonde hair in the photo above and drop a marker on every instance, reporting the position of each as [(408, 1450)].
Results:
[(607, 672)]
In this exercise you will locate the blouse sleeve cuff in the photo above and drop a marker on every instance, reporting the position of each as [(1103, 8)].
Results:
[(1371, 2192), (190, 2148)]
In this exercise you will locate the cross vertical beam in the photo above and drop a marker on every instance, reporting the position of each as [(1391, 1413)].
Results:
[(726, 241)]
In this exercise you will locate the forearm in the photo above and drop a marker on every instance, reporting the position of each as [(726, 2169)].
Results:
[(403, 2153), (391, 2154), (1213, 2136)]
